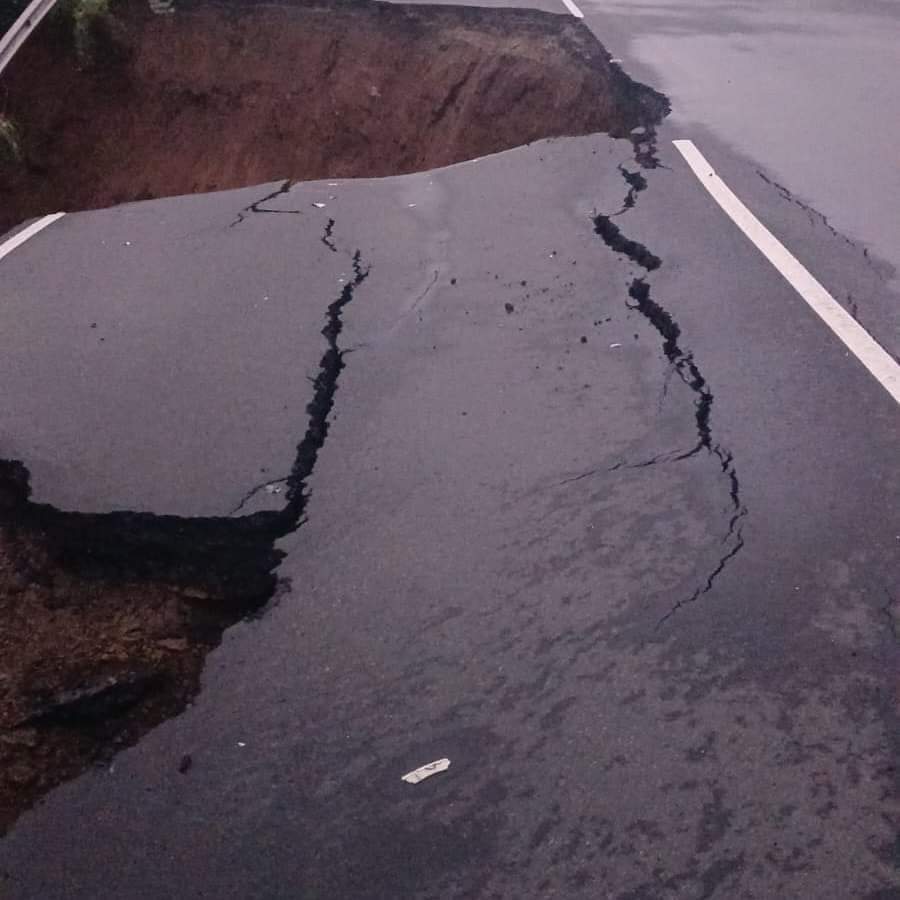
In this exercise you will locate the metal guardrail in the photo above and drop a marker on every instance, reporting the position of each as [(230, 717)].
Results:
[(21, 28), (10, 10)]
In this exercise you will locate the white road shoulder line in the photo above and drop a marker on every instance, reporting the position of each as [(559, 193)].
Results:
[(860, 343), (17, 240), (572, 8)]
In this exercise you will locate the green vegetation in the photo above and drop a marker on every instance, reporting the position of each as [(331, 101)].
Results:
[(84, 14), (10, 143)]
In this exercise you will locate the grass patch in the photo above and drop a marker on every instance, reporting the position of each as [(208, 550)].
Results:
[(84, 14), (10, 140)]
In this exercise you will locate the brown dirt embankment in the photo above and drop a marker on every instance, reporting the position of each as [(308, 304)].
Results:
[(222, 96)]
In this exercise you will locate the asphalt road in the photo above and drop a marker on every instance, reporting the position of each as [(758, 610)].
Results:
[(806, 89), (652, 620)]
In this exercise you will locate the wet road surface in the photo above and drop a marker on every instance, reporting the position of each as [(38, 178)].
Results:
[(620, 540), (808, 90)]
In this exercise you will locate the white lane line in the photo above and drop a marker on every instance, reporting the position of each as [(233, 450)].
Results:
[(572, 8), (17, 240), (860, 343)]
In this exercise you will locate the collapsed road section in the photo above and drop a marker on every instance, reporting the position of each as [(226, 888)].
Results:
[(109, 616), (132, 106)]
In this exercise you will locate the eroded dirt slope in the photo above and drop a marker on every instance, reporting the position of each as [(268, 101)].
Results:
[(221, 96)]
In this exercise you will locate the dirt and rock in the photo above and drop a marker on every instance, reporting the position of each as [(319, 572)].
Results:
[(223, 96), (107, 619)]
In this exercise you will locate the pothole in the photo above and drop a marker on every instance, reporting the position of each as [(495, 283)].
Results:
[(225, 96), (108, 617)]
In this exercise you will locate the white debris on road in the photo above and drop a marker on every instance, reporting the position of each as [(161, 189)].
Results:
[(423, 772)]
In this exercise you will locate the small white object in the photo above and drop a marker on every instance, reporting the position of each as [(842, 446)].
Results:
[(127, 243), (319, 205), (423, 772), (615, 59), (410, 205), (613, 346), (241, 744)]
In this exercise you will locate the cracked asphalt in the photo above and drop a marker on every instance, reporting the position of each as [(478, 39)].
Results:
[(596, 508)]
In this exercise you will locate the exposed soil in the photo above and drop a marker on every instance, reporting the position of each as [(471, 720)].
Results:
[(106, 619), (223, 96)]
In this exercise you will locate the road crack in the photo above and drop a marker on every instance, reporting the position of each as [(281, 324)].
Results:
[(257, 206), (263, 485), (681, 362), (643, 142), (424, 294), (128, 604), (817, 218), (892, 617), (325, 387), (618, 243), (327, 238)]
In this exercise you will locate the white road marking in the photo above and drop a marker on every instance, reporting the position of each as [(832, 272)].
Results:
[(572, 8), (17, 240), (860, 343)]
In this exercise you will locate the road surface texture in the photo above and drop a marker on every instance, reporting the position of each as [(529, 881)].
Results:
[(604, 515), (802, 87), (799, 95)]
